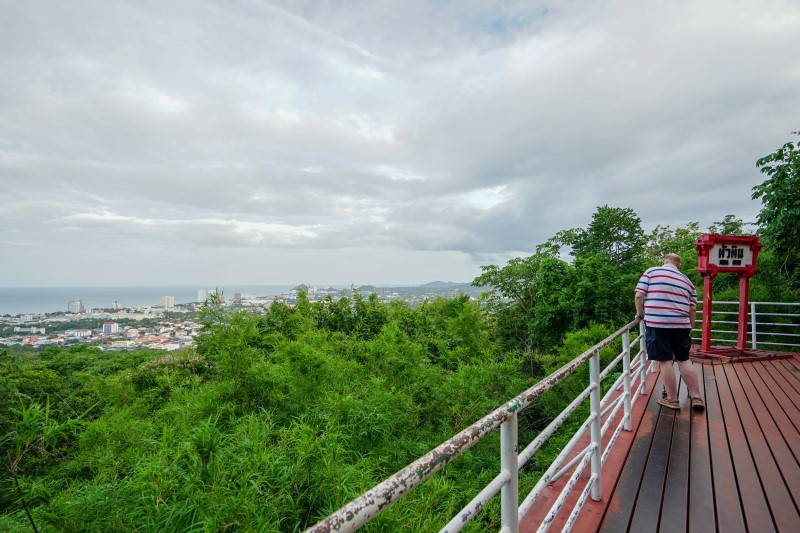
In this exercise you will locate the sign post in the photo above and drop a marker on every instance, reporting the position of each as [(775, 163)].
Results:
[(726, 253)]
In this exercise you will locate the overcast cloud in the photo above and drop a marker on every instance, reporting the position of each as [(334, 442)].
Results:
[(336, 142)]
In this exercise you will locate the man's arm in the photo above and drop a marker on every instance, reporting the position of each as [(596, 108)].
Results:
[(692, 315), (639, 301)]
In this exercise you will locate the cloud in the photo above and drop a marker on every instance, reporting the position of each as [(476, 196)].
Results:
[(476, 128), (201, 232)]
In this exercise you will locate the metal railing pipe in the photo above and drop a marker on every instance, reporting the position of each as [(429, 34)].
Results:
[(567, 467), (626, 373), (573, 516), (551, 428), (562, 497), (614, 408), (477, 504), (642, 356), (547, 477), (509, 494), (361, 510), (757, 330), (594, 399), (610, 367)]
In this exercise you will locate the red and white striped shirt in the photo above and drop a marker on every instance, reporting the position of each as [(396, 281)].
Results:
[(668, 295)]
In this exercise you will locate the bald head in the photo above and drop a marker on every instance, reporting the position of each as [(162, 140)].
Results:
[(672, 259)]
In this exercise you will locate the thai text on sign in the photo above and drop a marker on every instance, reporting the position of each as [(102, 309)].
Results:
[(730, 255)]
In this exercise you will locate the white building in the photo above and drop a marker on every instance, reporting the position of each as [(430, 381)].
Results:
[(122, 344), (201, 295), (110, 328), (167, 302), (75, 306)]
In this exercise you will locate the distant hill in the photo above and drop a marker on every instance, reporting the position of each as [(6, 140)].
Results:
[(448, 286), (441, 284)]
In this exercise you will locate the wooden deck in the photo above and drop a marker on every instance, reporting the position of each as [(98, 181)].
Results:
[(734, 467)]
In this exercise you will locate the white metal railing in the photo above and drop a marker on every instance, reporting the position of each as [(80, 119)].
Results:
[(367, 506), (770, 324)]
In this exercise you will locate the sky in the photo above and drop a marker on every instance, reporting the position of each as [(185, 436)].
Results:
[(371, 142)]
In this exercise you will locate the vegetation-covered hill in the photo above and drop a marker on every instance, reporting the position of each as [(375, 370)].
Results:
[(275, 421)]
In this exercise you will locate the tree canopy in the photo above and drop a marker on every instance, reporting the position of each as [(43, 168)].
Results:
[(779, 219), (614, 231)]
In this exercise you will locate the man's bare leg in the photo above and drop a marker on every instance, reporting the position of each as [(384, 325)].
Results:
[(690, 377), (669, 380)]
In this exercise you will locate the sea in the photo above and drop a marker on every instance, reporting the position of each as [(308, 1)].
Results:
[(27, 300)]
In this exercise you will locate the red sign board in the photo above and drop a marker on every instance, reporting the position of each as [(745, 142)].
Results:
[(727, 253)]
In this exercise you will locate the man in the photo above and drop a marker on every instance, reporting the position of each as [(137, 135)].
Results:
[(667, 302)]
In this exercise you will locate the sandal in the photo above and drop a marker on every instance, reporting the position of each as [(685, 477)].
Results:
[(698, 404), (670, 404)]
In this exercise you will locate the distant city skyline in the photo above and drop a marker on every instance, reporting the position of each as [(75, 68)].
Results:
[(17, 300), (14, 300)]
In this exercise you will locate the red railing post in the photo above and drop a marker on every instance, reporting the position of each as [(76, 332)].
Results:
[(705, 343), (744, 285)]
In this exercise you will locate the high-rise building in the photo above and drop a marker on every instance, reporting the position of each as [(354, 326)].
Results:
[(167, 302), (216, 297), (75, 306), (115, 305), (110, 327), (201, 295)]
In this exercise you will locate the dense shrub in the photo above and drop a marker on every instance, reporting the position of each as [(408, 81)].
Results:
[(273, 422)]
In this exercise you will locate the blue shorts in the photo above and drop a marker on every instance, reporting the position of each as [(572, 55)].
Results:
[(666, 344)]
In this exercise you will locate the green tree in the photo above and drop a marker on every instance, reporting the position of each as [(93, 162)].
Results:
[(663, 240), (515, 281), (603, 290), (512, 302), (730, 225), (566, 237), (614, 230), (779, 219), (537, 299)]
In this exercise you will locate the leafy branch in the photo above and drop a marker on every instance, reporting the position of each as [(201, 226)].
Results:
[(34, 431)]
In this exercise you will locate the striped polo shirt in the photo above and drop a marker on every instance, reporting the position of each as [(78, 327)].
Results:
[(668, 295)]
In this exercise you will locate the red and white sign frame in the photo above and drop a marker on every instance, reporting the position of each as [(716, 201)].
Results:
[(717, 254)]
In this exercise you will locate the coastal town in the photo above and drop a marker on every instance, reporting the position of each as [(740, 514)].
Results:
[(171, 326)]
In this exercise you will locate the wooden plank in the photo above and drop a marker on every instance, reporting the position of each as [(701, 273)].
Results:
[(674, 511), (791, 370), (728, 508), (592, 514), (757, 431), (647, 511), (768, 413), (744, 465), (777, 402), (621, 503), (756, 509), (785, 373), (701, 487)]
